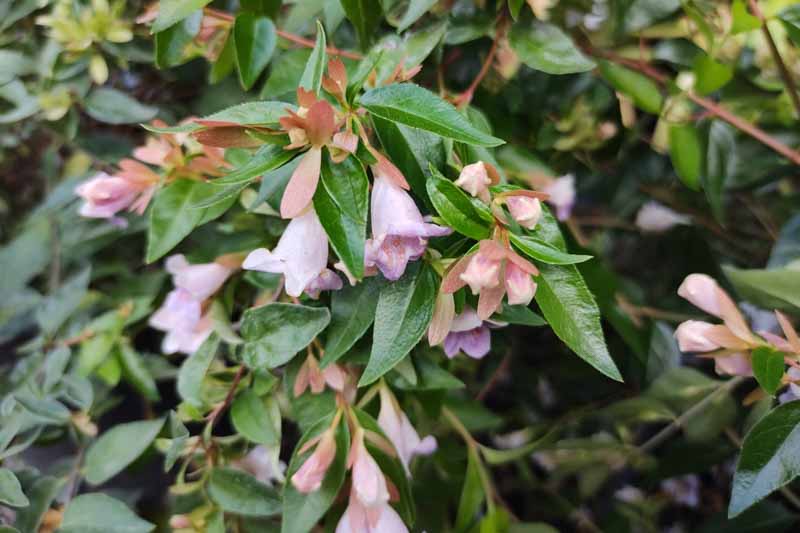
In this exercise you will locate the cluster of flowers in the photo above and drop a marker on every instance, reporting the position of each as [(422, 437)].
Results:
[(731, 343)]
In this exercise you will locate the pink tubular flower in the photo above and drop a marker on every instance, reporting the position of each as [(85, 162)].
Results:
[(358, 519), (369, 483), (104, 196), (301, 255), (180, 316), (444, 311), (655, 217), (200, 280), (399, 233), (520, 287), (736, 364), (468, 334), (476, 178), (692, 336), (394, 422), (562, 195), (704, 292), (308, 478), (525, 210), (310, 375), (264, 463), (327, 280)]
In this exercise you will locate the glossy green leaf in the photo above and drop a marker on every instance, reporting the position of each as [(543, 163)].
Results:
[(472, 495), (137, 373), (258, 419), (721, 159), (642, 90), (171, 44), (743, 21), (99, 513), (194, 369), (115, 107), (768, 367), (117, 448), (254, 38), (545, 253), (275, 332), (404, 310), (365, 15), (545, 47), (777, 288), (519, 314), (10, 490), (342, 204), (175, 10), (240, 493), (311, 80), (769, 458), (687, 153), (414, 106), (301, 511), (352, 313), (455, 207), (711, 75), (791, 21)]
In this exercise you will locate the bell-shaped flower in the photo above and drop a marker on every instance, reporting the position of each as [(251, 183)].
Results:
[(520, 287), (654, 217), (200, 280), (263, 463), (525, 210), (308, 478), (399, 233), (369, 483), (359, 519), (704, 292), (301, 254), (104, 196), (562, 195), (327, 280), (476, 178), (180, 316), (394, 422), (735, 364), (468, 334)]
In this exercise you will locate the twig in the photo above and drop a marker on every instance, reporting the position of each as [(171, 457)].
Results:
[(466, 97), (659, 438), (214, 417), (494, 379), (791, 88), (711, 106), (308, 43)]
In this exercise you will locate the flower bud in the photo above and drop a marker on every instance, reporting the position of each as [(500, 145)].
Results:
[(737, 364), (702, 291), (520, 286), (525, 210), (310, 475), (692, 336), (394, 422), (475, 180)]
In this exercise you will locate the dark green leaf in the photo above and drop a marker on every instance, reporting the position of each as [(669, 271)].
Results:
[(768, 368), (639, 88), (545, 47), (171, 44), (366, 18), (414, 106), (254, 38), (519, 314), (415, 10), (171, 12), (720, 162), (472, 495), (545, 253), (115, 107), (641, 14), (686, 151), (178, 437), (259, 420), (118, 447), (455, 207), (98, 513), (404, 310), (311, 80), (193, 371), (240, 493), (274, 333), (791, 21), (136, 372), (352, 313), (10, 490)]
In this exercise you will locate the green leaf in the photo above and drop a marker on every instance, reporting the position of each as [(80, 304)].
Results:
[(791, 21), (267, 158), (472, 495), (172, 217), (429, 377), (769, 458), (642, 90), (136, 372), (352, 313), (742, 20), (194, 369), (415, 10), (259, 420), (284, 76), (768, 368), (413, 151), (178, 437), (57, 308), (404, 310), (261, 113), (455, 207), (519, 314), (117, 448), (115, 107), (41, 494), (98, 513), (366, 17), (240, 493), (274, 333), (174, 11), (171, 44), (414, 106), (720, 162), (687, 153), (24, 103), (342, 203), (778, 288), (545, 47), (301, 511), (544, 252), (224, 63), (10, 490), (641, 14), (570, 308), (254, 38), (311, 80), (711, 75)]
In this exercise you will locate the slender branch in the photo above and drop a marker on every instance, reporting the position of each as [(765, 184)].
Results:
[(791, 88), (215, 414), (466, 97), (710, 106), (308, 43), (499, 372), (659, 438)]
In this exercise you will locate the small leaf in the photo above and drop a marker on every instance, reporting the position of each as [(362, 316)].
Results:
[(768, 368), (711, 75), (178, 437), (414, 106), (742, 20), (641, 89), (254, 38), (455, 207), (98, 513), (720, 162), (772, 288), (171, 44), (366, 18), (114, 107), (519, 314), (342, 203), (257, 419), (311, 80), (240, 493), (41, 493), (352, 313), (687, 153), (544, 252), (472, 495), (274, 333), (769, 458), (545, 47), (10, 490), (136, 372), (173, 11), (117, 448), (267, 158), (791, 21), (404, 310), (193, 371)]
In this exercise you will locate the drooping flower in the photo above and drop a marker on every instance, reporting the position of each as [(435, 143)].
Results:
[(359, 519), (200, 280), (476, 178), (562, 195), (444, 311), (369, 483), (655, 217), (703, 292), (180, 316), (468, 334), (264, 464), (491, 272), (301, 255), (308, 478), (394, 422), (104, 196), (312, 376), (399, 233), (525, 210)]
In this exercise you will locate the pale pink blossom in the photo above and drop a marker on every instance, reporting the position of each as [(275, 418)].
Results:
[(704, 292), (444, 311), (396, 425), (736, 364), (468, 334), (692, 336), (525, 210), (562, 195), (483, 272), (520, 287), (655, 217), (312, 376), (359, 519), (399, 233), (327, 280), (369, 483), (104, 195), (180, 316), (263, 463), (301, 254), (308, 478), (475, 180), (201, 280)]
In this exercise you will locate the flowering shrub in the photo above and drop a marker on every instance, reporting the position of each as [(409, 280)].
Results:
[(429, 279)]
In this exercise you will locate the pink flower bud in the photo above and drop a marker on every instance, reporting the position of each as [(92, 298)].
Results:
[(657, 218), (104, 196), (475, 180), (310, 475), (483, 271), (692, 336), (326, 281), (520, 286), (394, 422), (369, 483), (263, 463), (359, 519), (703, 292), (525, 210), (302, 185), (737, 364), (200, 280), (301, 254)]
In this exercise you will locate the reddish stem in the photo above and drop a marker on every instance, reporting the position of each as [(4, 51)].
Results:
[(308, 43)]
